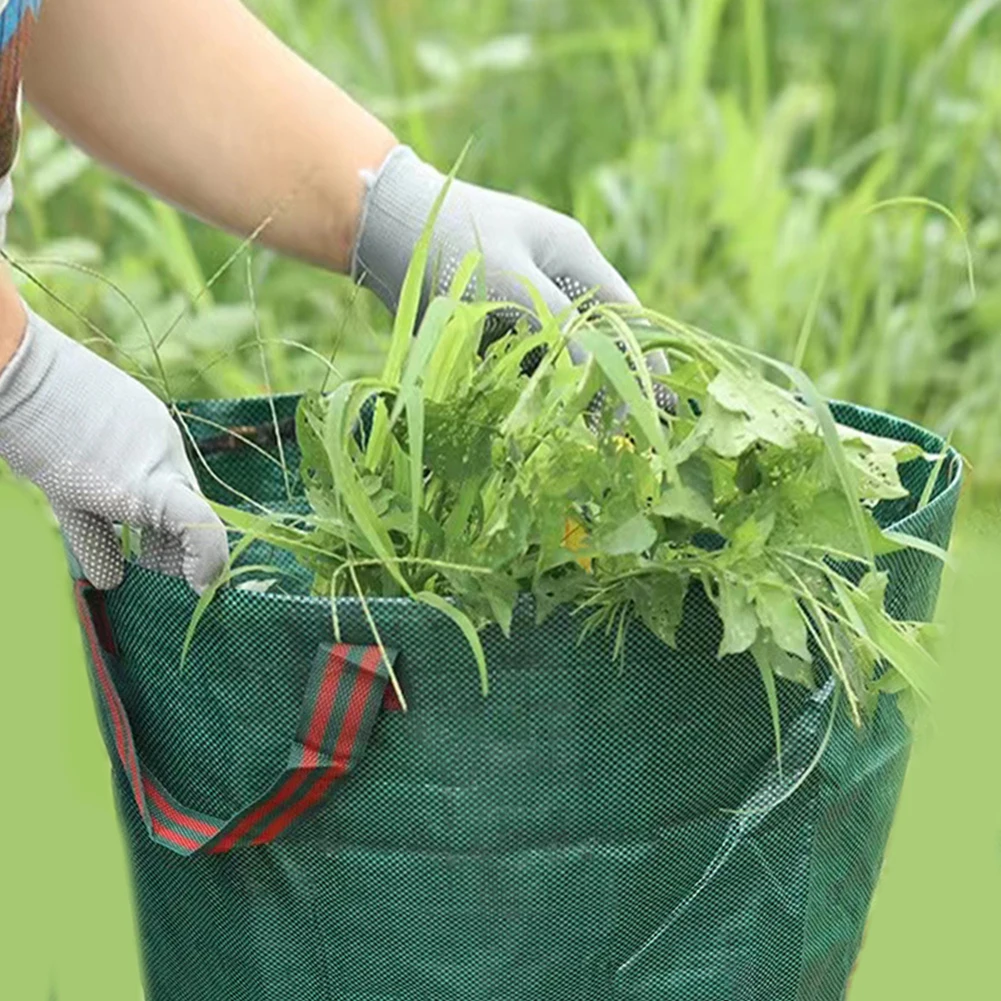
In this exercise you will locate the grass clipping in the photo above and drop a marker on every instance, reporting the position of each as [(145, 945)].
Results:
[(462, 481)]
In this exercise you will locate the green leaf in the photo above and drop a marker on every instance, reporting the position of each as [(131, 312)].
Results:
[(784, 665), (562, 587), (858, 664), (900, 649), (508, 355), (743, 409), (504, 537), (874, 461), (308, 428), (471, 263), (687, 504), (791, 668), (909, 707), (459, 439), (749, 538), (458, 518), (266, 528), (727, 433), (902, 540), (933, 474), (873, 585), (828, 525), (740, 623), (779, 612), (748, 476), (689, 380), (892, 682), (468, 630), (179, 255), (501, 592), (378, 436), (454, 360), (821, 411), (659, 599), (636, 535), (399, 471)]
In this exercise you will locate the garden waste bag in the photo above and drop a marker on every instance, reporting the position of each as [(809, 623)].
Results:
[(593, 830)]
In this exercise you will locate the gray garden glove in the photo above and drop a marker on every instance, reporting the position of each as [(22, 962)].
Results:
[(519, 240), (105, 450)]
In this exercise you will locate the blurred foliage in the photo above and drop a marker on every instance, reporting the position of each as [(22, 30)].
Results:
[(722, 152)]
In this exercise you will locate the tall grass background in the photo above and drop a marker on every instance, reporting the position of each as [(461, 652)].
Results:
[(724, 154)]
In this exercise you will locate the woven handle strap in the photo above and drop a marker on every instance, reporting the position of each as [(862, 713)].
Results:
[(343, 697)]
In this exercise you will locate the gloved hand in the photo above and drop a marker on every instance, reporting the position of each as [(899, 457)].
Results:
[(104, 449), (519, 239)]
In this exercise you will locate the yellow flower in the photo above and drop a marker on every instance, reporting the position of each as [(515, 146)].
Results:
[(575, 538)]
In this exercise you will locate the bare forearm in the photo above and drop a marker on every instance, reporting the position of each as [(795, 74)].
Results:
[(197, 101)]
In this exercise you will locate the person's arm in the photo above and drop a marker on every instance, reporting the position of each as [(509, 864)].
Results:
[(199, 102)]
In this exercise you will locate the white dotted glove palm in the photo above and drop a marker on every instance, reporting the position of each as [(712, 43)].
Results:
[(105, 450)]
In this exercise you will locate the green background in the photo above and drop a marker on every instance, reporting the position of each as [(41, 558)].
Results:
[(69, 931)]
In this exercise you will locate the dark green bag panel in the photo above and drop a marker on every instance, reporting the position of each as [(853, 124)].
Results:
[(585, 833)]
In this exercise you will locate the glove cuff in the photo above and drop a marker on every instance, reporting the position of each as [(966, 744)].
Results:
[(398, 201)]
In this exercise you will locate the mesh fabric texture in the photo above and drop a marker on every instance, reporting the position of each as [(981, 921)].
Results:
[(585, 833)]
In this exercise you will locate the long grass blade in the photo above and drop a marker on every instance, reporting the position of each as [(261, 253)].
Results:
[(413, 285), (415, 446), (768, 681), (613, 363), (342, 409), (208, 595), (468, 630), (929, 203), (929, 488), (265, 371), (367, 612)]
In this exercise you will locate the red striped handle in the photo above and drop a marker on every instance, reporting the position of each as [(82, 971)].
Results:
[(346, 689)]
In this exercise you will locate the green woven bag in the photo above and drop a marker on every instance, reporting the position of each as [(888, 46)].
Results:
[(585, 833)]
